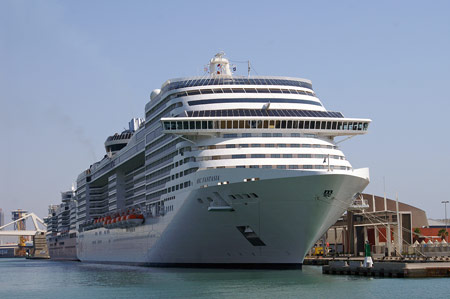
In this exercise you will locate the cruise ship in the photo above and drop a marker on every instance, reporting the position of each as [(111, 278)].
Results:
[(224, 171)]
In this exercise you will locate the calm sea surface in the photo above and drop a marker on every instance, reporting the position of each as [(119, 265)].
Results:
[(50, 279)]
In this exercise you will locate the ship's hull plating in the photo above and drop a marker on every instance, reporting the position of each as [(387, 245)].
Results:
[(63, 249), (268, 223)]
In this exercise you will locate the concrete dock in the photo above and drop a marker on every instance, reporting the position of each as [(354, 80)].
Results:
[(389, 269)]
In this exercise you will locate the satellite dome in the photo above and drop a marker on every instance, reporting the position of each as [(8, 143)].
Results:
[(154, 94)]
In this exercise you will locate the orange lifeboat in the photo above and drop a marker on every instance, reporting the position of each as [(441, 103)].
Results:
[(134, 220)]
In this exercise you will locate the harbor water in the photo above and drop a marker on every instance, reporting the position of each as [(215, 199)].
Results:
[(52, 279)]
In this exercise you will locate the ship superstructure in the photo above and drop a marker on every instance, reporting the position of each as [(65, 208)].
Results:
[(225, 170)]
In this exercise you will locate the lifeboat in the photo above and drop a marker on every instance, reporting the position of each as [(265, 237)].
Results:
[(122, 221), (116, 222), (108, 223), (135, 220), (113, 223)]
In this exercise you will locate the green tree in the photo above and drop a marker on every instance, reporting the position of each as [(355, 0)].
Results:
[(442, 233), (416, 234)]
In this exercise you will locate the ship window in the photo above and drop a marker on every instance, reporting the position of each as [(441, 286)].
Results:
[(185, 125), (179, 125), (334, 125), (344, 126), (306, 124), (275, 155), (238, 156), (227, 90), (312, 124), (281, 166), (192, 125), (218, 90), (206, 91), (193, 92), (166, 125), (328, 125), (293, 166), (365, 126), (301, 124), (198, 125), (241, 90)]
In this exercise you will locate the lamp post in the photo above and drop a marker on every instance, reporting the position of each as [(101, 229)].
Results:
[(445, 202)]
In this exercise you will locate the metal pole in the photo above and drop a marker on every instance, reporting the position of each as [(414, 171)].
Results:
[(445, 202), (399, 231)]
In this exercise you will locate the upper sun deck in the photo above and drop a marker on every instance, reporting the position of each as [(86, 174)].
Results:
[(179, 83), (220, 76)]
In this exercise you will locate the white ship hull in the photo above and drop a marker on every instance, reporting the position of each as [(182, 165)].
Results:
[(282, 217)]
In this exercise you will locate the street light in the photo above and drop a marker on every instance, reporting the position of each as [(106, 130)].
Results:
[(445, 202)]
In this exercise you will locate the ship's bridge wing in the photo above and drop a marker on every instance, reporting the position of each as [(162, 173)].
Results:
[(325, 124)]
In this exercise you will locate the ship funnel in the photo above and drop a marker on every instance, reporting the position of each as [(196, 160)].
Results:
[(219, 66)]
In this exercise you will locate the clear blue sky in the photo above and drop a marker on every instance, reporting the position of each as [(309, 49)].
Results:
[(74, 72)]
